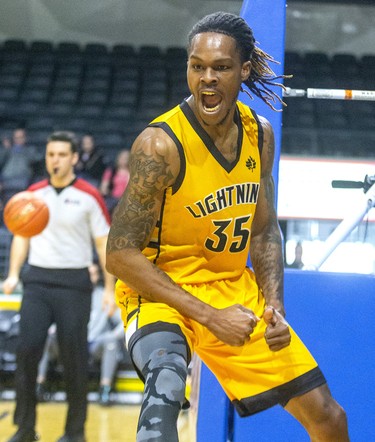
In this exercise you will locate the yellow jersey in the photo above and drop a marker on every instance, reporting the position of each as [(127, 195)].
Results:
[(202, 242), (203, 232)]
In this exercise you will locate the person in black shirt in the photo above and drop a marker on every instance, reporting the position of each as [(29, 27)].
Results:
[(90, 165)]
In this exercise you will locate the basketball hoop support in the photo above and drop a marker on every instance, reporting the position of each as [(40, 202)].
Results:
[(366, 202)]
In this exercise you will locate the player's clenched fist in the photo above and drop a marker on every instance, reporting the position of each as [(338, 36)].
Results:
[(232, 325), (277, 333)]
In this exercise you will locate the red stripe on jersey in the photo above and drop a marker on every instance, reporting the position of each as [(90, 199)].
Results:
[(83, 185), (38, 185)]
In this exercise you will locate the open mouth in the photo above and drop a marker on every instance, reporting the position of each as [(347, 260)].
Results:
[(211, 101)]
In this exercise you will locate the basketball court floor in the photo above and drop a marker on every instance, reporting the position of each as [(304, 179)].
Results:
[(117, 423)]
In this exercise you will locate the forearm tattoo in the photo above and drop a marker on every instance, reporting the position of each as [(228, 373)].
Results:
[(266, 248)]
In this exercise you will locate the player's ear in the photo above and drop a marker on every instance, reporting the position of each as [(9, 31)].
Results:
[(245, 70)]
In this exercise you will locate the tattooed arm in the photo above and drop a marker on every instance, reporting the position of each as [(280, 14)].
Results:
[(154, 165), (266, 249)]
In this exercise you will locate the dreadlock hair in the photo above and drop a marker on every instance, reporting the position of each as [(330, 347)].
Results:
[(261, 76)]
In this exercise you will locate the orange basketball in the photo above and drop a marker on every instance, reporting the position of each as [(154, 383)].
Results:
[(25, 214)]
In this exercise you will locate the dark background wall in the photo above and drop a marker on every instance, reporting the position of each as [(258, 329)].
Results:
[(332, 26)]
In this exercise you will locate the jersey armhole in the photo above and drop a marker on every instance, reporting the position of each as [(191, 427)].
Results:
[(181, 174), (260, 132)]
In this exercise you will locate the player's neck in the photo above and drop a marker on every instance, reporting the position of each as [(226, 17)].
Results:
[(219, 131), (61, 182)]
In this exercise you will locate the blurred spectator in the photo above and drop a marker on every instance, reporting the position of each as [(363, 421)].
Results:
[(6, 142), (297, 263), (115, 179), (17, 165), (91, 163), (106, 340)]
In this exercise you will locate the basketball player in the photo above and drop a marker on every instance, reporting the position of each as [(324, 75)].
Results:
[(57, 287), (200, 197)]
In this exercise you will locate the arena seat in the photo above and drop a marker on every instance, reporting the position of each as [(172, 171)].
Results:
[(299, 142), (345, 64), (15, 50), (293, 62), (123, 50), (329, 106), (150, 52), (42, 51), (94, 71), (175, 53), (14, 67), (359, 107), (24, 109), (68, 52), (34, 95), (38, 81), (39, 137), (96, 97), (367, 64), (5, 241), (41, 46), (57, 109), (95, 80), (298, 81), (299, 120), (78, 124), (68, 47), (363, 122), (118, 112), (9, 94), (335, 143), (125, 72), (320, 80), (96, 84), (127, 99), (64, 96), (69, 83), (175, 59), (111, 125), (317, 62), (40, 123), (71, 70), (41, 68), (87, 110), (10, 81), (9, 331), (123, 85), (95, 49), (332, 121)]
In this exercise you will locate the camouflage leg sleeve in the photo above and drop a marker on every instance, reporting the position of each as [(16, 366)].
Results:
[(162, 359)]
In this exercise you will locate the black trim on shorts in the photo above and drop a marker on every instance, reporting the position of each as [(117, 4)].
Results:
[(280, 395), (155, 327), (132, 313)]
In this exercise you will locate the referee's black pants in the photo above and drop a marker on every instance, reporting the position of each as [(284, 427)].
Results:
[(62, 297)]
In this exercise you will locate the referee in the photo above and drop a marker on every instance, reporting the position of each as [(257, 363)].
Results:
[(57, 287)]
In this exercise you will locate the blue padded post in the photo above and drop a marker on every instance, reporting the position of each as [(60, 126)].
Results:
[(267, 20)]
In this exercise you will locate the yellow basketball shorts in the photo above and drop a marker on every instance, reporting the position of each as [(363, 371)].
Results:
[(253, 376)]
